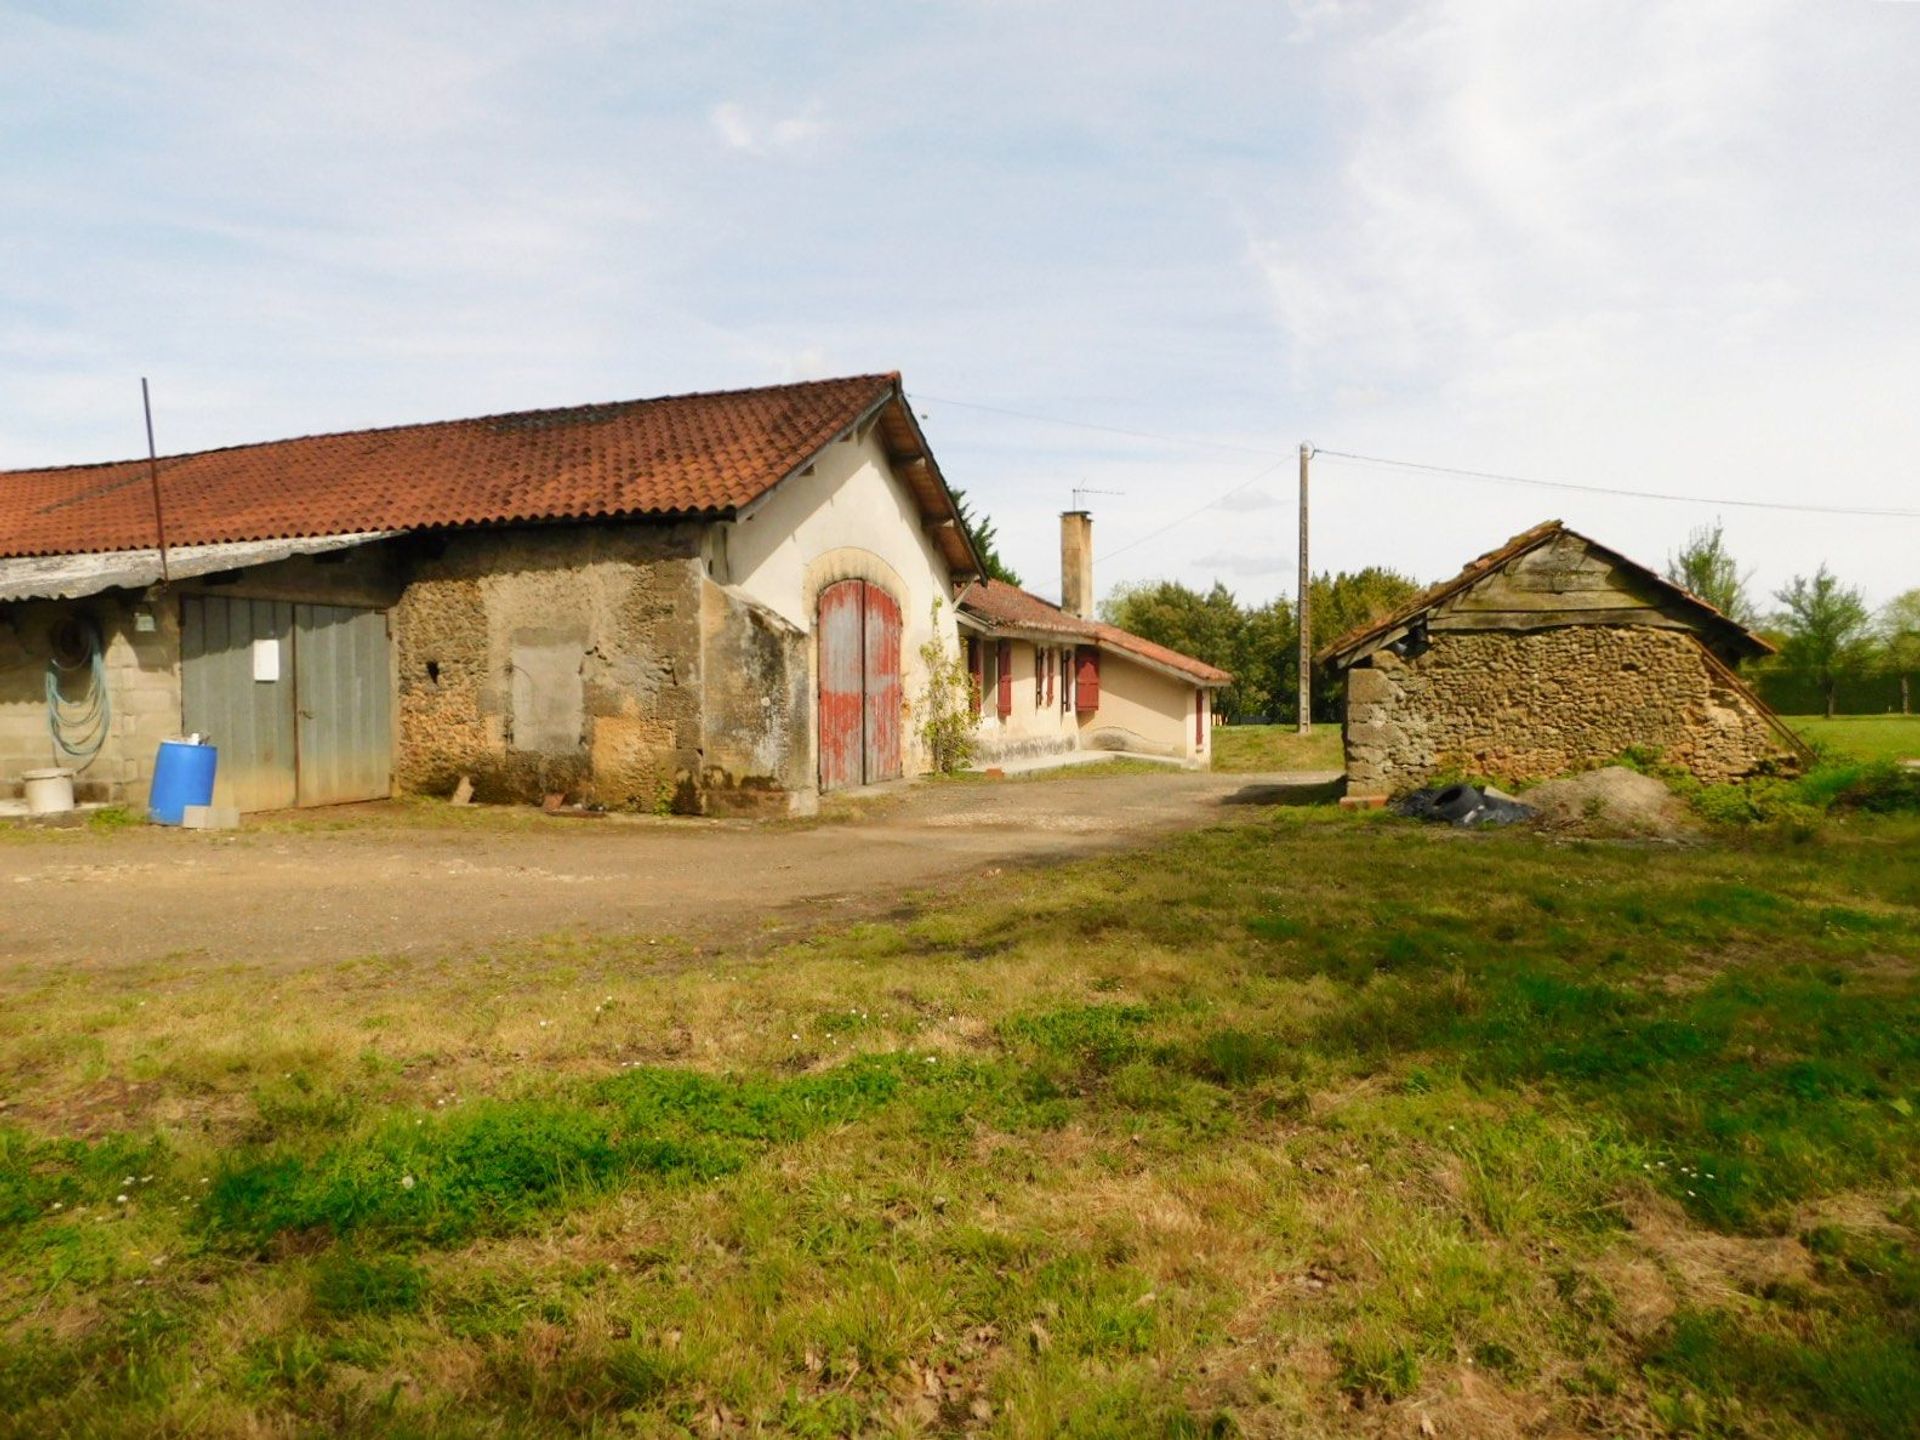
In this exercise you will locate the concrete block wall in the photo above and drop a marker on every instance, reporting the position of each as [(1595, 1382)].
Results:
[(1527, 705), (143, 676)]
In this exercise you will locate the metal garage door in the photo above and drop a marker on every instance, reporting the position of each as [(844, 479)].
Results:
[(859, 640), (298, 699)]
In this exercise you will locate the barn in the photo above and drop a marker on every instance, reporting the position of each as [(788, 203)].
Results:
[(707, 603), (1552, 653)]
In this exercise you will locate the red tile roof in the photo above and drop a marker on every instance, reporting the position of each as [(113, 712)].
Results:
[(999, 605), (705, 454), (1357, 639)]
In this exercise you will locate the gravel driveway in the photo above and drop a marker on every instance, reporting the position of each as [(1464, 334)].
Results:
[(320, 886)]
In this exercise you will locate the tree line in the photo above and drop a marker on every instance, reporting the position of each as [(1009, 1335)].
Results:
[(1826, 634), (1824, 630), (1259, 643)]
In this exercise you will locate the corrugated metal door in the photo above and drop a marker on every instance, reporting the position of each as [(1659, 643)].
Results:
[(841, 635), (236, 688), (344, 698), (882, 649)]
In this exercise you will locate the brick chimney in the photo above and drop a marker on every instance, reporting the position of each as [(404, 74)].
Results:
[(1076, 563)]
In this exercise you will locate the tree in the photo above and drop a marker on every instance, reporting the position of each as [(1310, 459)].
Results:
[(1900, 637), (980, 530), (1341, 603), (1706, 568), (1826, 625), (1209, 627)]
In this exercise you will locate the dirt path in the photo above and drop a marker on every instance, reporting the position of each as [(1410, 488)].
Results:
[(380, 881)]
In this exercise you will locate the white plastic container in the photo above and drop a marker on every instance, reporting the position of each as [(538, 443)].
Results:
[(49, 792)]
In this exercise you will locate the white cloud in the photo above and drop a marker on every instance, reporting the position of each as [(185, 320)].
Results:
[(1245, 502), (1672, 245), (740, 130)]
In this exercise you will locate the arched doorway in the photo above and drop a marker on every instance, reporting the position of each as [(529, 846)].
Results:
[(859, 638)]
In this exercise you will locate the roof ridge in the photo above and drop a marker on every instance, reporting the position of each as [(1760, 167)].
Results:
[(1477, 569), (890, 377)]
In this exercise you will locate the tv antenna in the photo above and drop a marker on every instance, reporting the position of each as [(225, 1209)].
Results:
[(1080, 492)]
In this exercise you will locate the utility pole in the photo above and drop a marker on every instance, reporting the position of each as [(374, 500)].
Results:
[(1303, 608)]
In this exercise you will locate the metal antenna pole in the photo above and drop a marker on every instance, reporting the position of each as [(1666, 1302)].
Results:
[(153, 477)]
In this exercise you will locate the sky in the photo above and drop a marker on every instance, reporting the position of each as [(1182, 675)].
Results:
[(1669, 248)]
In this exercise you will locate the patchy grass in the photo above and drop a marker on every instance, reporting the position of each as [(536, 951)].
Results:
[(1306, 1125), (1277, 747), (1862, 737)]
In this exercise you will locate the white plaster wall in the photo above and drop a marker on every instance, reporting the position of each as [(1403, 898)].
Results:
[(850, 518), (1146, 711), (1032, 726)]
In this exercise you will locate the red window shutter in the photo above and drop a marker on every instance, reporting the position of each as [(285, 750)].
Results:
[(1087, 679), (1047, 699), (1199, 716), (1005, 657), (1039, 676), (974, 672)]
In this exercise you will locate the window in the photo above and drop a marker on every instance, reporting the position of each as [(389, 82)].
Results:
[(1003, 658), (1086, 680)]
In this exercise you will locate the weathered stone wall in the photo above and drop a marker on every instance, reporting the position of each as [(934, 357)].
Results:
[(143, 681), (1529, 704), (757, 720), (601, 662), (504, 633)]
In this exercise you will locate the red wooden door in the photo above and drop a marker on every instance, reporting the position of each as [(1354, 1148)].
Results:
[(859, 639), (882, 731), (841, 635)]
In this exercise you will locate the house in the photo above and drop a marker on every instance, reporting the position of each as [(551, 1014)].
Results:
[(708, 603), (1052, 678), (1548, 654)]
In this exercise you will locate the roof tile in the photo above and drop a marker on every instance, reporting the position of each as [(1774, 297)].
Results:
[(683, 454), (1000, 604)]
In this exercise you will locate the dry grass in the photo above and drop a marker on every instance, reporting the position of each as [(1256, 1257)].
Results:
[(1317, 1126)]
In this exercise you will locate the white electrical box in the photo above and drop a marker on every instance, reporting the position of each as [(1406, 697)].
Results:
[(266, 659)]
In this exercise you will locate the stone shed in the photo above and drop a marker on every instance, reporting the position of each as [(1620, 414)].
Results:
[(1549, 654), (704, 603)]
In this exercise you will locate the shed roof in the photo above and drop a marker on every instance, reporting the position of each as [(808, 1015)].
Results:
[(700, 455), (1364, 638), (997, 605)]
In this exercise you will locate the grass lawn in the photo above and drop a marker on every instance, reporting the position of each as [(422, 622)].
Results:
[(1864, 737), (1313, 1123), (1276, 747)]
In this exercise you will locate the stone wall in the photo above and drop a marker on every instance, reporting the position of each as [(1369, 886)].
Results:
[(1525, 705), (758, 709), (598, 661), (142, 649), (505, 639)]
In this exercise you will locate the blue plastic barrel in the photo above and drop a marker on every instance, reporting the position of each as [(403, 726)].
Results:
[(182, 776)]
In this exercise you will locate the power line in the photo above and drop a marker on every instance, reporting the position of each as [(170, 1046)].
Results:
[(1498, 478), (1492, 476), (1200, 510)]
